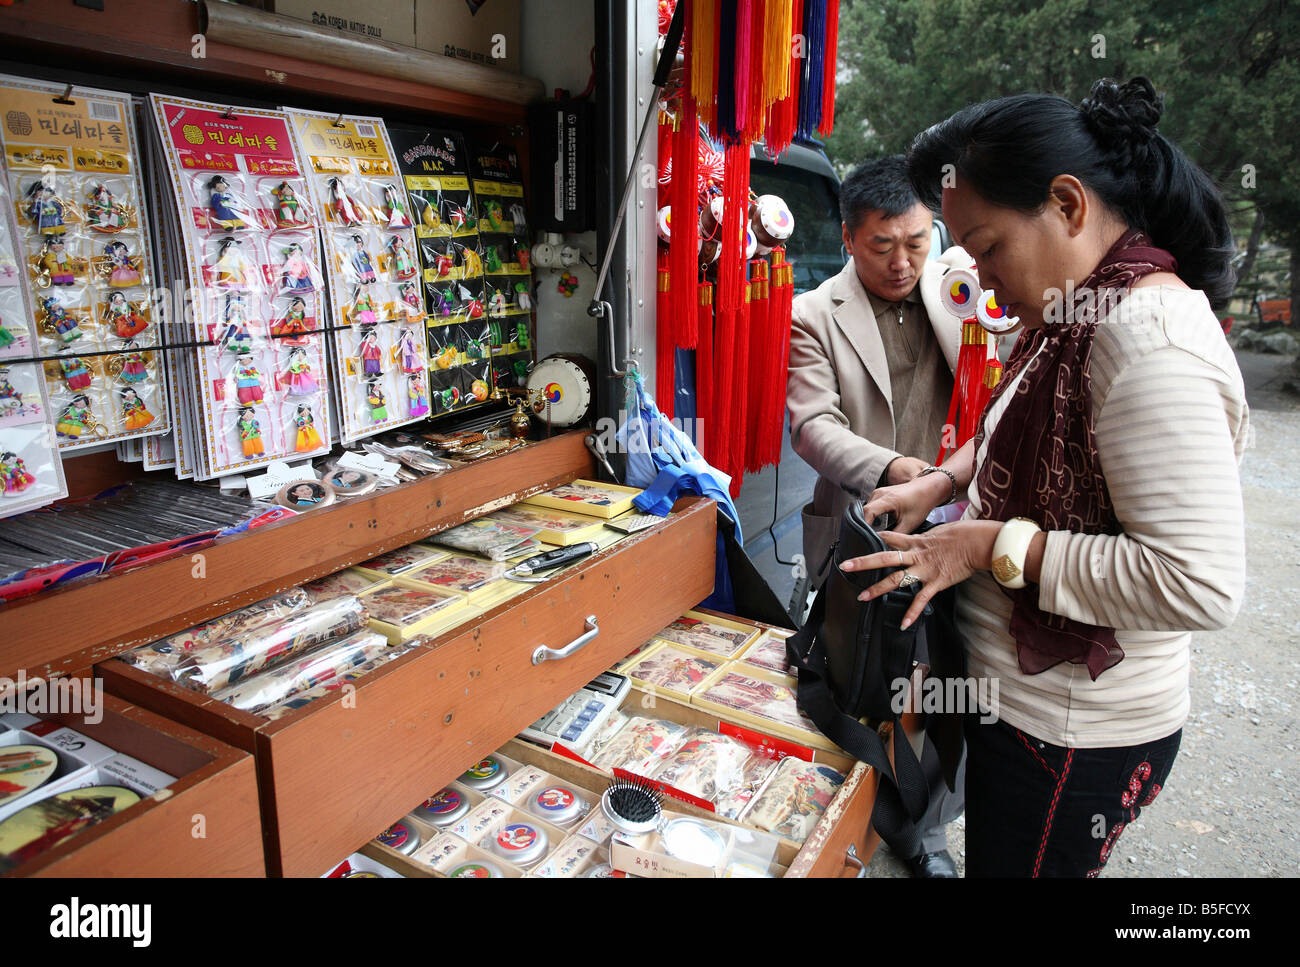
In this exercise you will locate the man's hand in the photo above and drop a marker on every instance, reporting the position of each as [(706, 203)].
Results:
[(903, 469)]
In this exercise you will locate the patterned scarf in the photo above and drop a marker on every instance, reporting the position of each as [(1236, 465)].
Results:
[(1042, 460)]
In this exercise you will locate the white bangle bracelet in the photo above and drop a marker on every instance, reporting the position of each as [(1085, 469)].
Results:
[(1010, 550)]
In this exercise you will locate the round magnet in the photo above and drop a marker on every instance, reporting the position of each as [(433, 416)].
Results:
[(486, 774), (23, 768), (521, 843), (693, 841), (360, 875), (443, 808), (557, 804), (603, 871), (305, 495), (477, 870), (400, 837), (45, 824), (348, 483)]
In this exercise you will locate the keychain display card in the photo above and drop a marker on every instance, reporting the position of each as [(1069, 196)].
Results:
[(253, 263), (85, 258), (31, 473), (369, 250)]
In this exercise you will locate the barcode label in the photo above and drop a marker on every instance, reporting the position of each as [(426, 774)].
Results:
[(102, 110), (366, 130)]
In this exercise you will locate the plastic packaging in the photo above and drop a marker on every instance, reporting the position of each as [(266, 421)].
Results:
[(640, 745), (706, 764), (305, 697), (307, 670), (794, 798), (490, 538)]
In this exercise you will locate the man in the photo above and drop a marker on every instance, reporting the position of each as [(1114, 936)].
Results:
[(869, 386)]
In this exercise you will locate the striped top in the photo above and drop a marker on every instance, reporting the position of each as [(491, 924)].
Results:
[(1171, 426)]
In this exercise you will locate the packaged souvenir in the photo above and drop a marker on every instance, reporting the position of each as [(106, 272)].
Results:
[(45, 824), (708, 633), (706, 764), (671, 670), (250, 252), (84, 255), (794, 799), (462, 573), (305, 697), (768, 652), (302, 671), (734, 800), (759, 700), (640, 745), (493, 539), (370, 252)]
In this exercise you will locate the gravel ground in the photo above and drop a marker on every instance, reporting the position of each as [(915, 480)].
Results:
[(1230, 808)]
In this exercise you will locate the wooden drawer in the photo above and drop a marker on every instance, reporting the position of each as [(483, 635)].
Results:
[(335, 772), (206, 822)]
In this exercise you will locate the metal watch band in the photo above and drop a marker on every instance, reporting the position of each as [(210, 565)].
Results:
[(952, 478)]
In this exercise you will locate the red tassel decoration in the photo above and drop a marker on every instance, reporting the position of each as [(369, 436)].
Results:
[(760, 362), (664, 342), (965, 407), (704, 430), (684, 195), (829, 68), (781, 299)]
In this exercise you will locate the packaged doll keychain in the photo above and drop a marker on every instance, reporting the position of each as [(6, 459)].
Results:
[(307, 438), (341, 204), (370, 354), (296, 273), (288, 212), (77, 418), (134, 414), (248, 382), (403, 262), (395, 207), (408, 352), (250, 432), (122, 267), (132, 363), (363, 269), (122, 318), (60, 321), (56, 266), (75, 372), (295, 323), (17, 479), (298, 375), (417, 395), (45, 210), (377, 401), (222, 203), (104, 213)]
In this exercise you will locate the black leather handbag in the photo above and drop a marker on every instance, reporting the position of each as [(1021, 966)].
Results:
[(853, 658)]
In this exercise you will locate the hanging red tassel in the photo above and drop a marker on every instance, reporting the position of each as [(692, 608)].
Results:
[(664, 342), (781, 302), (760, 361), (744, 384), (964, 408), (829, 68), (704, 429), (684, 194)]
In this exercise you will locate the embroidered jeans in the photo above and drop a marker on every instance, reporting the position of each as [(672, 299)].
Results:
[(1036, 809)]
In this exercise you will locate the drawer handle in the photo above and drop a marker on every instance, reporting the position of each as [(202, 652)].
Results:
[(543, 653), (851, 859)]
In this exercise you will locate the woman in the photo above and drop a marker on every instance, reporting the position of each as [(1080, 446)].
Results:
[(1116, 432)]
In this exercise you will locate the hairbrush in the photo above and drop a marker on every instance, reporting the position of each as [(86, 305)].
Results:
[(633, 804)]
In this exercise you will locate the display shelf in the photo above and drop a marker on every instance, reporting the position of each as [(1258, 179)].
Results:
[(158, 38), (66, 628)]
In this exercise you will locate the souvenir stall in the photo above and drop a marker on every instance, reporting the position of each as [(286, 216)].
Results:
[(308, 444)]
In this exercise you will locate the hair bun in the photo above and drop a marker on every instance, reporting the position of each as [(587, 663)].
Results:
[(1123, 118)]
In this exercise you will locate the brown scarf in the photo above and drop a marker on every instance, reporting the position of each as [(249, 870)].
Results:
[(1042, 460)]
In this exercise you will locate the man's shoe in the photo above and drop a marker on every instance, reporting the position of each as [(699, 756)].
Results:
[(933, 866)]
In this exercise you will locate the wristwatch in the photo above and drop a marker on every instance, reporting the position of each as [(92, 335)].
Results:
[(1010, 549), (951, 478)]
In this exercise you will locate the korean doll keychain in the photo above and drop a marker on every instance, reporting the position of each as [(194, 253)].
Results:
[(344, 208), (222, 202), (119, 314), (236, 338), (297, 273), (11, 401), (232, 267), (308, 439), (362, 267), (370, 354), (103, 213), (75, 372), (7, 338), (248, 382), (377, 400), (417, 395), (250, 433), (56, 265), (14, 473), (403, 264), (407, 352), (394, 208), (134, 414), (60, 320), (363, 309), (45, 209), (294, 323), (123, 272), (288, 213), (76, 419), (132, 363), (411, 302), (299, 376)]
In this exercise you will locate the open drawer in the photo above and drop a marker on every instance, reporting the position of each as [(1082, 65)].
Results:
[(204, 822), (333, 772)]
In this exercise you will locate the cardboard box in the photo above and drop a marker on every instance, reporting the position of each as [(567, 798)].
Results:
[(392, 21), (480, 31)]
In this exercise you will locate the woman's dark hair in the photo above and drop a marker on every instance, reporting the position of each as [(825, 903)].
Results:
[(1011, 148)]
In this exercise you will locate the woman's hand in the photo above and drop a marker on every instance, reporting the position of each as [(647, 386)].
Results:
[(939, 558), (910, 502)]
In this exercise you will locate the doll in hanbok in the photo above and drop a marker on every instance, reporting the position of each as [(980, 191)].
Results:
[(411, 302), (64, 323), (408, 352), (123, 318), (14, 473), (362, 267), (395, 208), (250, 433), (363, 310), (133, 369), (297, 270), (300, 378), (378, 402), (75, 372), (222, 202), (45, 210), (345, 209), (236, 338), (124, 273), (403, 264), (294, 323), (103, 214), (370, 354), (248, 382), (10, 398), (288, 212), (134, 414), (308, 439), (232, 268), (417, 396), (56, 263), (76, 418)]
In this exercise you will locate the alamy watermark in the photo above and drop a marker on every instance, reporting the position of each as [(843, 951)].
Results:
[(61, 696), (960, 696)]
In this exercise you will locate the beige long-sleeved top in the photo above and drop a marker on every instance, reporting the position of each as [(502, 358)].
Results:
[(1171, 422)]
